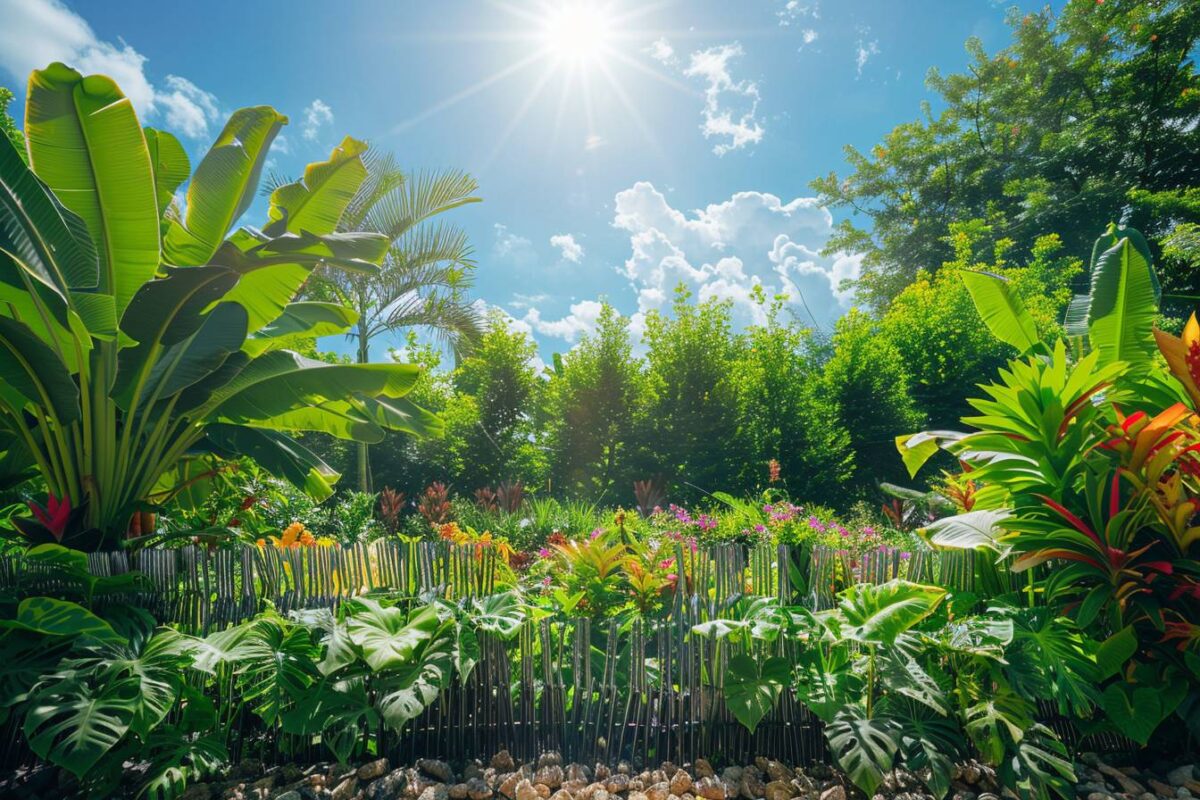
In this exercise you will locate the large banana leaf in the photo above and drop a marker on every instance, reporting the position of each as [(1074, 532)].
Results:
[(317, 202), (170, 164), (42, 237), (277, 453), (1002, 311), (29, 368), (223, 186), (86, 144), (1124, 301), (299, 321)]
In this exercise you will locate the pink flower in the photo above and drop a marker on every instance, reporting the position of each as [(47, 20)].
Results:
[(544, 553)]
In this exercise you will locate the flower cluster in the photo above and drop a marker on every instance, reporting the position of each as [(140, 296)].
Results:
[(294, 536)]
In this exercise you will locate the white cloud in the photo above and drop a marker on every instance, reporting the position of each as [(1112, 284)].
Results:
[(512, 247), (807, 37), (316, 116), (582, 318), (568, 248), (730, 107), (795, 10), (527, 300), (661, 50), (187, 107), (488, 311), (37, 32), (281, 145), (594, 141), (727, 249), (863, 52)]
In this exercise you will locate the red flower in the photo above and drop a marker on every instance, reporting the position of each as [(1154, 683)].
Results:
[(54, 516)]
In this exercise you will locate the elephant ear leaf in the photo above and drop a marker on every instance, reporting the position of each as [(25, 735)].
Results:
[(751, 691)]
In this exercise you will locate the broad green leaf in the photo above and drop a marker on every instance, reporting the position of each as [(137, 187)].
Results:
[(49, 242), (752, 689), (35, 373), (316, 203), (917, 448), (865, 748), (301, 321), (278, 454), (170, 164), (85, 142), (466, 650), (969, 531), (223, 186), (1002, 311), (51, 617), (500, 614), (74, 726), (194, 359), (389, 639), (878, 614), (170, 309), (339, 648), (404, 697), (1137, 711), (1124, 303)]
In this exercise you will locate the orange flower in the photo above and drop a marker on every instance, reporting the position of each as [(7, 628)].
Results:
[(261, 543), (1183, 356)]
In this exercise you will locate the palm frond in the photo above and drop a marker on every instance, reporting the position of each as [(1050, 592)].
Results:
[(383, 178), (422, 196), (451, 321)]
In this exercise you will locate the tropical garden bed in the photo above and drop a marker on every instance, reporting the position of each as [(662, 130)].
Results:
[(180, 616)]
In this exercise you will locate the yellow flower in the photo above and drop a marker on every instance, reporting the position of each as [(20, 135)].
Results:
[(1183, 356)]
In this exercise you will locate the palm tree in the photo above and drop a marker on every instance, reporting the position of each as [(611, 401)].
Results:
[(429, 267)]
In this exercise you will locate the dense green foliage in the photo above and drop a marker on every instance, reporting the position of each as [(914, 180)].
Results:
[(1088, 115)]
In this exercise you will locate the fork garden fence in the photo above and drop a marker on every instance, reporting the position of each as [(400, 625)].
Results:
[(642, 689)]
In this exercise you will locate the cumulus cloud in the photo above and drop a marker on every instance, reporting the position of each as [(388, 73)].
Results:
[(583, 318), (863, 50), (37, 32), (568, 248), (730, 106), (807, 37), (727, 249), (317, 116)]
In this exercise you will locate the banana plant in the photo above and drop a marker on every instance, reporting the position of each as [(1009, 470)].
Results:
[(142, 337)]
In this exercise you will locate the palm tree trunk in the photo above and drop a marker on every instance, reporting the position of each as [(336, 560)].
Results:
[(364, 460)]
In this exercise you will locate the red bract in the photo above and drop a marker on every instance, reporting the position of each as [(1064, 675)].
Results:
[(55, 516)]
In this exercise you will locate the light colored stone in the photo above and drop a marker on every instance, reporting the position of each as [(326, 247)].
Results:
[(551, 776), (508, 784), (681, 783), (835, 792), (550, 758), (617, 783), (524, 791), (345, 790), (458, 791), (712, 789), (437, 791), (373, 770), (562, 794), (703, 768), (503, 762), (543, 790), (779, 790), (578, 772), (659, 791)]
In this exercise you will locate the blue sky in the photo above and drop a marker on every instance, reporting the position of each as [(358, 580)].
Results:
[(621, 147)]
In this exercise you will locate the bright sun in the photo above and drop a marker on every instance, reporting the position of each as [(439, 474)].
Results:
[(577, 31)]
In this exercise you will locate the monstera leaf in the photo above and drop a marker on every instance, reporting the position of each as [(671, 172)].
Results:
[(74, 725), (864, 747), (404, 695)]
